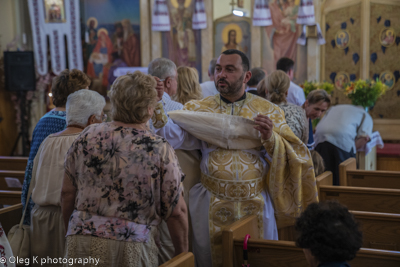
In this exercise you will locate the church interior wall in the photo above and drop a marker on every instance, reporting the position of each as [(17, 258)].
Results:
[(368, 55), (321, 61)]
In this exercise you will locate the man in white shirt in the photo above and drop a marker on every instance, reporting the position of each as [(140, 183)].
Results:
[(343, 130), (208, 88), (295, 94), (165, 70), (257, 75)]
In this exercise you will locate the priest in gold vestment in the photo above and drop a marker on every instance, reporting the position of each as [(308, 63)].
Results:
[(252, 163)]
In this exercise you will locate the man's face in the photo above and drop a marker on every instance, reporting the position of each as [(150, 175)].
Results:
[(229, 76), (171, 84)]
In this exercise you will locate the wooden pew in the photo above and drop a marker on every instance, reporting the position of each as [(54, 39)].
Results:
[(274, 253), (349, 176), (380, 230), (10, 216), (13, 163), (185, 259), (284, 253), (288, 233), (11, 174), (389, 130), (10, 197), (363, 198)]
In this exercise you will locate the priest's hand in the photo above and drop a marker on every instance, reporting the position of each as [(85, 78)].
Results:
[(159, 88), (264, 126)]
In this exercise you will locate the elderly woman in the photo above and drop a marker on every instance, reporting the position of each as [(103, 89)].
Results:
[(277, 85), (121, 181), (63, 85), (84, 108), (188, 85), (317, 102)]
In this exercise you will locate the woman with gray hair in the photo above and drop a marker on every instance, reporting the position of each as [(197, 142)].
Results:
[(120, 181), (84, 108)]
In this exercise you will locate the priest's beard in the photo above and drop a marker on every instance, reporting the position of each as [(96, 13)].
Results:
[(231, 89)]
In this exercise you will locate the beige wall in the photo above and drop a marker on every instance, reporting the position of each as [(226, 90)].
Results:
[(7, 23), (222, 8)]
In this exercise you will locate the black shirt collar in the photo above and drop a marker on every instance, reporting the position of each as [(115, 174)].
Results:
[(229, 102)]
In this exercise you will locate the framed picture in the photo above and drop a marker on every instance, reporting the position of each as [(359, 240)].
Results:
[(388, 79), (387, 37), (342, 39), (232, 32), (54, 11)]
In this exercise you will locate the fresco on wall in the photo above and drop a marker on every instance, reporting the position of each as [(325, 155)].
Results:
[(182, 44), (232, 32), (280, 39), (110, 37)]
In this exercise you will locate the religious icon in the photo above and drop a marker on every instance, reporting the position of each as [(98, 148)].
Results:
[(387, 37), (341, 79), (388, 79), (54, 11), (342, 39), (112, 40), (232, 32), (232, 36)]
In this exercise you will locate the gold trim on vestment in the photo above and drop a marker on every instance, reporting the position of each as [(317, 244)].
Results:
[(233, 190)]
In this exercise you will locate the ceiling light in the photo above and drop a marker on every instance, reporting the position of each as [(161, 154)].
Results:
[(238, 13)]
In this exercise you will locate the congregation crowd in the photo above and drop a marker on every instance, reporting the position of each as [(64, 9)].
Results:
[(113, 187)]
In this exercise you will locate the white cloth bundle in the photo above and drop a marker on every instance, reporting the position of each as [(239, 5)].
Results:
[(225, 131), (306, 13), (199, 19), (160, 17), (261, 14), (56, 31), (376, 140)]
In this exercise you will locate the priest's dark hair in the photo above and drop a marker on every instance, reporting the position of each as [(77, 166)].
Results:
[(245, 60), (285, 64)]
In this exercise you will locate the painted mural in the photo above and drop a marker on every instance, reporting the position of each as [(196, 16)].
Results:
[(182, 44), (110, 37)]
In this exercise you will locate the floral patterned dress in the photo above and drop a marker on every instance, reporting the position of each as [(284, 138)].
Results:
[(127, 181)]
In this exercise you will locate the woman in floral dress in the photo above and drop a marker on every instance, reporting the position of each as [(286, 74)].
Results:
[(121, 181)]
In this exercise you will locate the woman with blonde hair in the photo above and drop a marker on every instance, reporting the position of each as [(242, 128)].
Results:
[(120, 181), (277, 85), (188, 85)]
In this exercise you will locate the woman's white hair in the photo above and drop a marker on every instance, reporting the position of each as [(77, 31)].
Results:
[(82, 104)]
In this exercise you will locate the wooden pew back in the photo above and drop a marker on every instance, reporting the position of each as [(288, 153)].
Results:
[(363, 198), (240, 228), (10, 197), (374, 179), (14, 175), (349, 176), (274, 253), (285, 253), (10, 216), (185, 259), (380, 230), (13, 163)]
